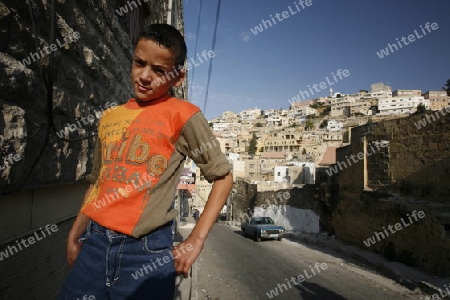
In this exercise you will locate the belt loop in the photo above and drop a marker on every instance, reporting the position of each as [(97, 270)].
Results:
[(89, 227)]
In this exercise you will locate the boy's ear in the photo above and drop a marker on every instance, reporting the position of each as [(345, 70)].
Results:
[(180, 78)]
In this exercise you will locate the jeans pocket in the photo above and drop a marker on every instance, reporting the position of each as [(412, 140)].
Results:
[(86, 234), (158, 241)]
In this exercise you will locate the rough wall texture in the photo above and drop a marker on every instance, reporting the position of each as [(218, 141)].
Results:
[(286, 206), (92, 57), (244, 198), (410, 174)]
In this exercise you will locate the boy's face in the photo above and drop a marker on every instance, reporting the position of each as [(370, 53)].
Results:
[(152, 71)]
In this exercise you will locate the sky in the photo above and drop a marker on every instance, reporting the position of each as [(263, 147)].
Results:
[(309, 44)]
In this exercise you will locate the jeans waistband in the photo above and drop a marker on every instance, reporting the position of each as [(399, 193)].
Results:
[(99, 228), (94, 226)]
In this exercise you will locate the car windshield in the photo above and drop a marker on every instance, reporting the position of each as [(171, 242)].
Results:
[(263, 221)]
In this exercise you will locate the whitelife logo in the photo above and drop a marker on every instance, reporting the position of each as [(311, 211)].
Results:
[(360, 156), (411, 38), (86, 297), (297, 280), (123, 10), (146, 269), (323, 85), (86, 120), (37, 236), (429, 118), (280, 17), (47, 50), (439, 296), (108, 198), (196, 61), (372, 241), (204, 147), (282, 198), (9, 161)]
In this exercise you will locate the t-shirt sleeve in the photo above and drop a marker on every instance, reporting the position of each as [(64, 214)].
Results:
[(96, 164), (197, 142)]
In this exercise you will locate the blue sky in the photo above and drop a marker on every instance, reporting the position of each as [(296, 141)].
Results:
[(268, 69)]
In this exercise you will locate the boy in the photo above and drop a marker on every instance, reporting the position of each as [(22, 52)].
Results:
[(120, 244)]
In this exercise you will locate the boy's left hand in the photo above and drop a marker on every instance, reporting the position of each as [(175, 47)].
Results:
[(185, 254)]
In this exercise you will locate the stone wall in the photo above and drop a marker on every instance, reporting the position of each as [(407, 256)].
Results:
[(297, 209), (92, 58), (244, 198), (408, 173)]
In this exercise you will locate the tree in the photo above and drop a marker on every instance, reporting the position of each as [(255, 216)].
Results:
[(309, 124), (294, 125), (326, 111), (252, 145), (447, 87), (420, 109), (324, 124), (258, 124), (315, 105)]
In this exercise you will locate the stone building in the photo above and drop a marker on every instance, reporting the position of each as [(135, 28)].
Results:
[(393, 172), (282, 141), (438, 99), (406, 93), (401, 105)]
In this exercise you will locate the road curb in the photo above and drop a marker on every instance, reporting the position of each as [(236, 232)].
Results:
[(194, 283), (406, 276), (185, 288)]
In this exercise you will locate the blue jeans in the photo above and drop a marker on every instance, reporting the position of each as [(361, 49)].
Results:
[(114, 266)]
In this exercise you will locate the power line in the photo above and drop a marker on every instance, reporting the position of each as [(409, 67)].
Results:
[(213, 48), (196, 43)]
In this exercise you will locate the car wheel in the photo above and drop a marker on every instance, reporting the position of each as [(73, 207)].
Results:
[(257, 238), (245, 234), (280, 238)]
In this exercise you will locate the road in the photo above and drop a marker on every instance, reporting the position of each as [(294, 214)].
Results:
[(237, 268)]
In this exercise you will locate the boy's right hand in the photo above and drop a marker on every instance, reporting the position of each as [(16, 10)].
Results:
[(79, 226), (73, 249)]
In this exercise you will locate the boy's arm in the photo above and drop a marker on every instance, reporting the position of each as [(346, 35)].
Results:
[(78, 227), (198, 142), (187, 252), (81, 221)]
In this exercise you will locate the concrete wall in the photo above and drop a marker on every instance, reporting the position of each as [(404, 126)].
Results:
[(27, 210)]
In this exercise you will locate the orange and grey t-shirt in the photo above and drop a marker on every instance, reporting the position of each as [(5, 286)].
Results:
[(138, 161)]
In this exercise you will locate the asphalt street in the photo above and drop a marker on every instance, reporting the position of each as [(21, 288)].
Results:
[(234, 267)]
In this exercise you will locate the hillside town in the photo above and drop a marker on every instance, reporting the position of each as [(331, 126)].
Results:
[(286, 146)]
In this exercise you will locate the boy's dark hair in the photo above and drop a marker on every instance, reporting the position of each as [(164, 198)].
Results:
[(168, 37)]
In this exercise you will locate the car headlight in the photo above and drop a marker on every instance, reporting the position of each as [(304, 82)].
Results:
[(263, 231)]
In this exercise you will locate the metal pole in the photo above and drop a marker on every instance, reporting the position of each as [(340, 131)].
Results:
[(169, 12)]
